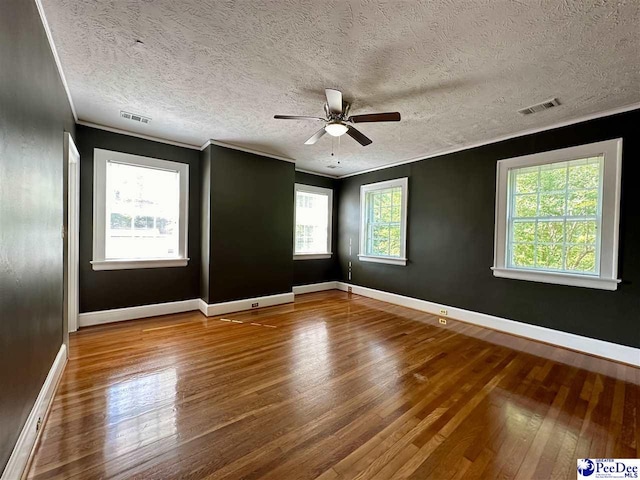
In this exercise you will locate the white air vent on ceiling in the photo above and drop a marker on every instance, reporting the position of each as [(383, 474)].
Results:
[(538, 107), (135, 117)]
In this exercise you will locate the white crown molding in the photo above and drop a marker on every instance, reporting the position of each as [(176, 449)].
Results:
[(213, 309), (247, 150), (591, 346), (335, 177), (137, 135), (28, 437), (585, 118), (132, 313), (56, 58), (523, 133)]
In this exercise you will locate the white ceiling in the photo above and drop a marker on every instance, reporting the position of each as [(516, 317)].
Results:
[(457, 71)]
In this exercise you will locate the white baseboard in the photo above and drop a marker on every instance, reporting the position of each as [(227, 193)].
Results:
[(213, 309), (19, 458), (202, 306), (600, 348), (131, 313), (144, 311), (315, 287)]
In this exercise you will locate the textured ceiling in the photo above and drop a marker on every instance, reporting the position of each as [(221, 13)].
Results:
[(456, 70)]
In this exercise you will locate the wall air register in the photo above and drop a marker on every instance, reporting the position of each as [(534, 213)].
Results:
[(134, 117)]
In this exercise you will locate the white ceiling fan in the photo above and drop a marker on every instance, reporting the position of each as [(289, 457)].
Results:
[(337, 120)]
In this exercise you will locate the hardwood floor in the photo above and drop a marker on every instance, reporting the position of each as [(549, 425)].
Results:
[(331, 387)]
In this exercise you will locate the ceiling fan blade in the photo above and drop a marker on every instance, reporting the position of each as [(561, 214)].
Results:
[(316, 137), (376, 117), (296, 117), (334, 100), (358, 136)]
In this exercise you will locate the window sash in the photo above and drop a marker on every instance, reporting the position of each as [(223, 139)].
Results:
[(539, 192), (371, 223), (101, 219), (135, 213), (302, 242), (395, 221)]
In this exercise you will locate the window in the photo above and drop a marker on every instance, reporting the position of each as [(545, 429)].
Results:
[(557, 216), (140, 212), (313, 222), (383, 219)]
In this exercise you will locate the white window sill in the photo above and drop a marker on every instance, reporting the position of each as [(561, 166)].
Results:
[(388, 260), (311, 256), (135, 264), (557, 278)]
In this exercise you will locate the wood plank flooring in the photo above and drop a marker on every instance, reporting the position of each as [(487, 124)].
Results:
[(334, 386)]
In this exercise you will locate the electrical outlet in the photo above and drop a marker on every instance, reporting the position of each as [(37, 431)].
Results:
[(254, 305), (443, 312), (443, 321), (349, 290)]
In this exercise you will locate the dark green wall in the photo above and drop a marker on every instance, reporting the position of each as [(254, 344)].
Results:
[(34, 113), (107, 289), (323, 270), (251, 225), (450, 238)]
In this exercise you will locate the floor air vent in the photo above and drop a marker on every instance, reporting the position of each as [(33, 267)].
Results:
[(135, 117), (538, 107)]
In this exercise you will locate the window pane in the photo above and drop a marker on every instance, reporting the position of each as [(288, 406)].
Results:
[(550, 232), (143, 222), (553, 179), (551, 205), (526, 205), (583, 202), (380, 240), (523, 255), (581, 258), (394, 240), (554, 219), (584, 176), (549, 256), (395, 213), (527, 181), (312, 222), (385, 198), (385, 214), (143, 212), (524, 231), (119, 220), (581, 231), (384, 222)]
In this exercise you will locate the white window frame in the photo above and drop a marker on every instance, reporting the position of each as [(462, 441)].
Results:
[(299, 187), (610, 217), (403, 183), (100, 159)]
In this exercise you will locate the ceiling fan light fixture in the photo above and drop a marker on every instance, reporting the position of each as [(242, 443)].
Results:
[(336, 129)]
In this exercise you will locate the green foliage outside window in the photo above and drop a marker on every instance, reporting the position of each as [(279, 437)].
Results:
[(384, 210), (555, 216)]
